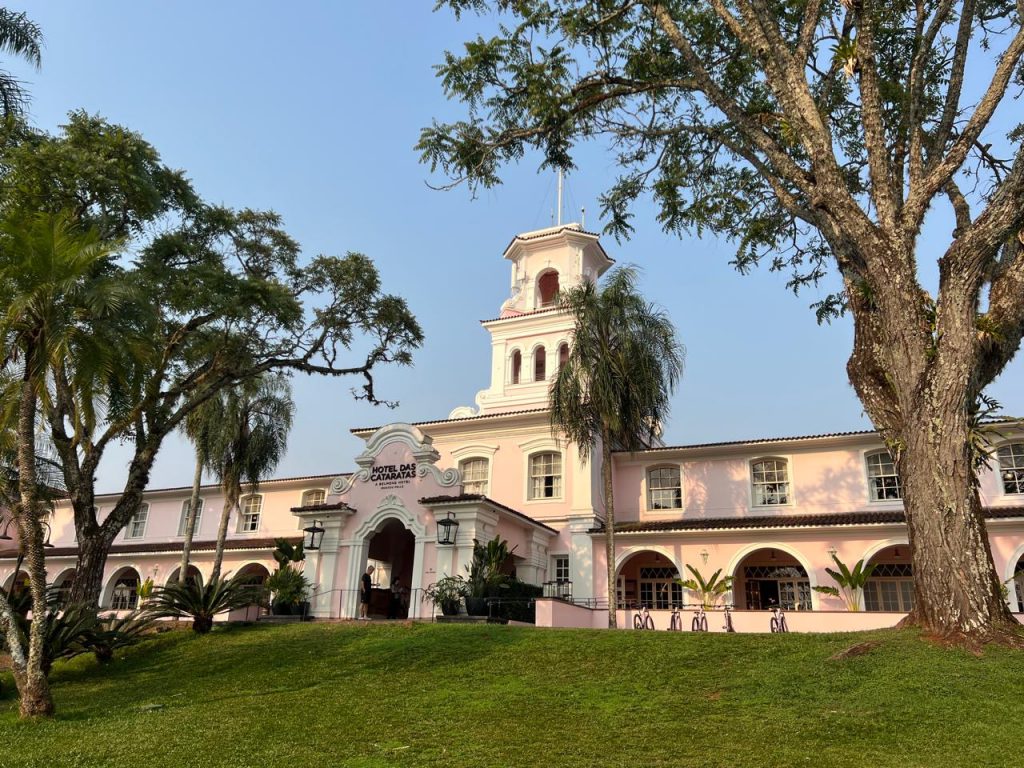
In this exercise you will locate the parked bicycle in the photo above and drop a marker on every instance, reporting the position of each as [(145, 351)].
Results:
[(778, 620), (643, 619), (700, 620), (728, 627), (675, 624)]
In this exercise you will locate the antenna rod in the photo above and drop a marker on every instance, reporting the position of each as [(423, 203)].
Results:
[(559, 197)]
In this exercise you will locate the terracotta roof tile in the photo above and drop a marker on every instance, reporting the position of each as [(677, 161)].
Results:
[(357, 430), (466, 498), (870, 517), (266, 542)]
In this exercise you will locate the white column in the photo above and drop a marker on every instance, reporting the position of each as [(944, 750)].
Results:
[(321, 566), (581, 559)]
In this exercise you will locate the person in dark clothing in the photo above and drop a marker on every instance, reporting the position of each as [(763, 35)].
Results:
[(364, 594), (395, 606)]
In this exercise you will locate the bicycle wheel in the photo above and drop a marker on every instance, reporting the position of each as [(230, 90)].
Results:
[(675, 624), (638, 622), (649, 622), (728, 623), (782, 624), (695, 625), (774, 624), (703, 623)]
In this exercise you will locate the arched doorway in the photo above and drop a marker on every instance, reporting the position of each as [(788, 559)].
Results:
[(891, 586), (770, 576), (17, 585), (648, 578), (1018, 583), (122, 593), (255, 574), (391, 551), (63, 583), (192, 576)]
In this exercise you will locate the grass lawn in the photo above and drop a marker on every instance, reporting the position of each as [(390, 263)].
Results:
[(439, 695)]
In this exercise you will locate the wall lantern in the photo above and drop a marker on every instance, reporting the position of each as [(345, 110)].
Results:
[(832, 552), (314, 536), (704, 555), (46, 535), (447, 529)]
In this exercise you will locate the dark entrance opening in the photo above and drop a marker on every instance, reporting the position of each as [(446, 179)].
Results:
[(391, 554)]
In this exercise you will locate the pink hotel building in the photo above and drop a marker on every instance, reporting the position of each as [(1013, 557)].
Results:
[(768, 511)]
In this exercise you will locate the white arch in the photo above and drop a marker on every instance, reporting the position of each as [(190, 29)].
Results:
[(659, 549), (174, 574), (740, 555), (260, 563), (63, 575), (108, 591), (1008, 574), (390, 507), (878, 546), (9, 582)]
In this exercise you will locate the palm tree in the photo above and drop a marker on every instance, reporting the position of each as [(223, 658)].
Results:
[(51, 287), (242, 434), (20, 37), (614, 389)]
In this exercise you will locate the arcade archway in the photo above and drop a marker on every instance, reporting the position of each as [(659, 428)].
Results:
[(769, 576), (391, 551), (648, 578)]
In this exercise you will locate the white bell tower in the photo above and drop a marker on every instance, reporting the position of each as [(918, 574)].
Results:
[(531, 335)]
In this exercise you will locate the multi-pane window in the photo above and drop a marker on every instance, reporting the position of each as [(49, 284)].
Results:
[(546, 476), (474, 476), (184, 516), (770, 482), (137, 524), (560, 572), (314, 497), (660, 587), (1011, 467), (539, 364), (882, 478), (768, 585), (251, 508), (664, 490), (890, 588), (126, 593)]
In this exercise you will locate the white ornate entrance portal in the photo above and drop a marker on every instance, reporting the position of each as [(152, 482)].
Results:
[(390, 508)]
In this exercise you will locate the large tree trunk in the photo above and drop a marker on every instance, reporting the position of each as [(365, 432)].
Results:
[(33, 687), (609, 526), (957, 591), (230, 501), (89, 567), (190, 521)]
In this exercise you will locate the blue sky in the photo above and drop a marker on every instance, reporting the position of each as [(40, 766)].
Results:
[(313, 110)]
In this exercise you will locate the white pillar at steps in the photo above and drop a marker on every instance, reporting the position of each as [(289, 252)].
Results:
[(321, 566)]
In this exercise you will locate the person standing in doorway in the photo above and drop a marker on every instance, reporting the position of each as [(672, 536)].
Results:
[(364, 594), (396, 598)]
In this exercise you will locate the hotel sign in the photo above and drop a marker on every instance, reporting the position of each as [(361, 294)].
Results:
[(392, 475)]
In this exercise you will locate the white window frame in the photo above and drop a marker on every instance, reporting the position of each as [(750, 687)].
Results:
[(558, 483), (1009, 444), (307, 491), (869, 478), (485, 480), (131, 531), (184, 516), (242, 514), (132, 599), (546, 444), (790, 500), (648, 490)]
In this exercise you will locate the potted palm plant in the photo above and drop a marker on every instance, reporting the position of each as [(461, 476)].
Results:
[(447, 592), (486, 578)]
